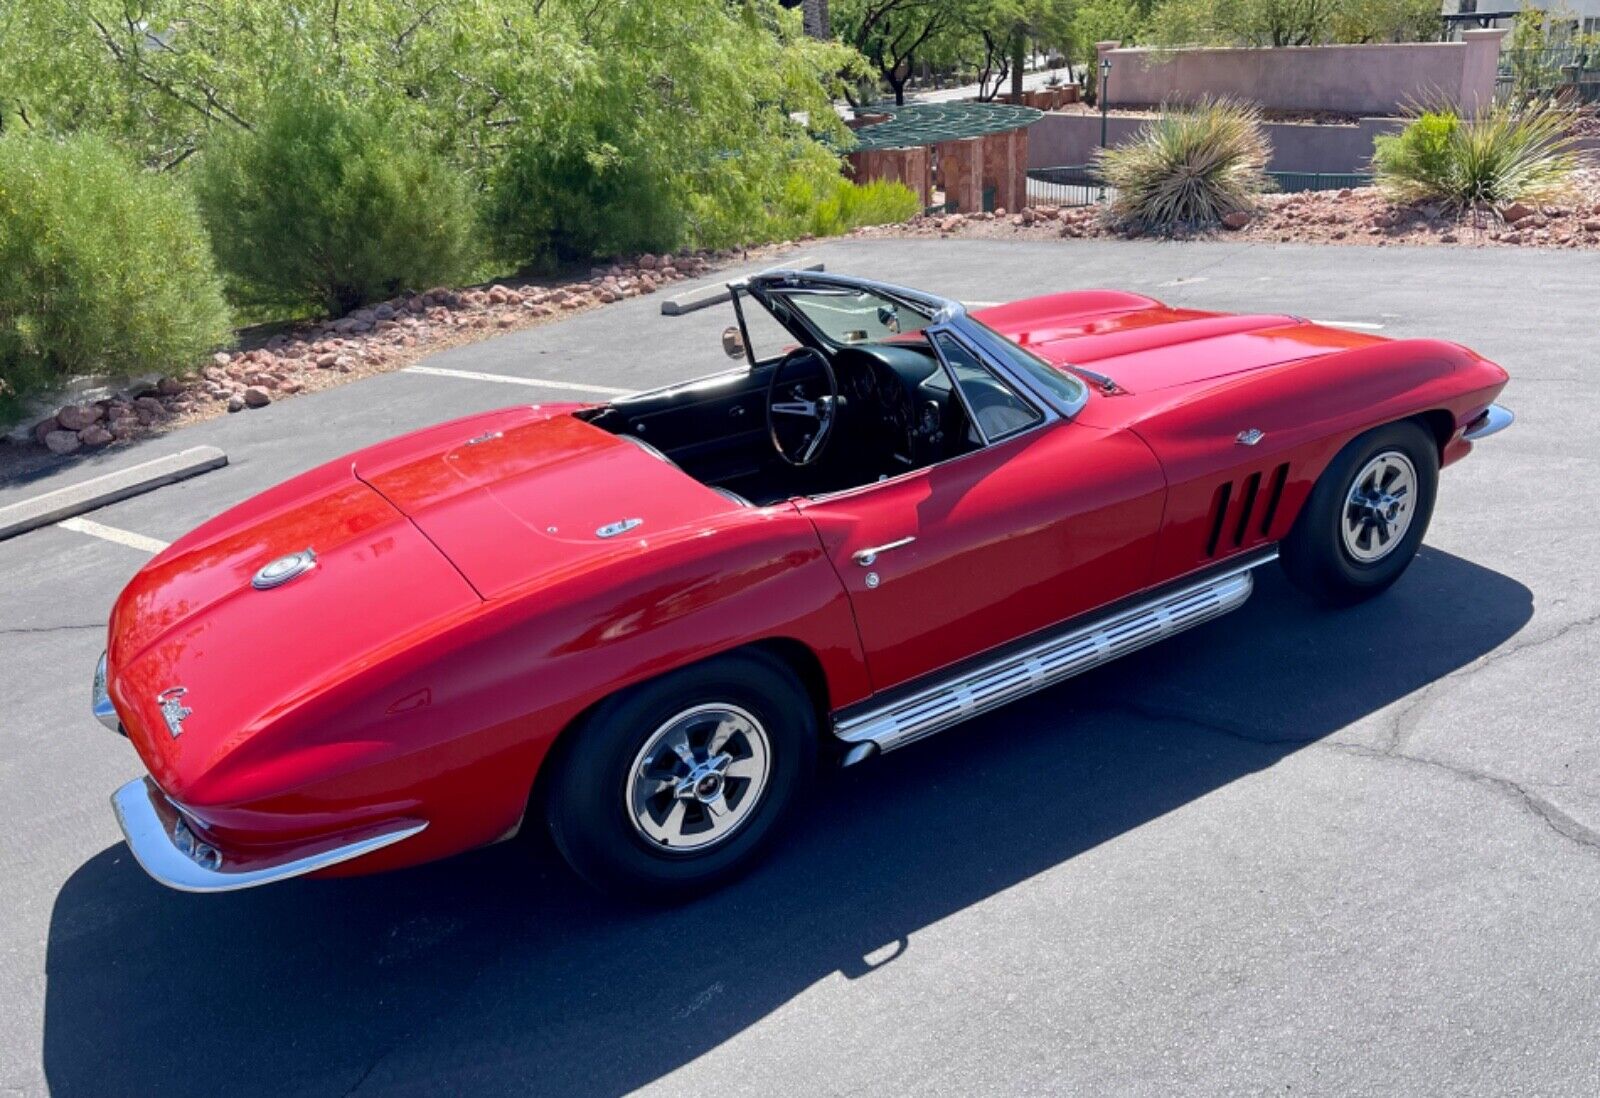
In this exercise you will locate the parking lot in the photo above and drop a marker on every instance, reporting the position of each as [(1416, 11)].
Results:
[(1295, 850)]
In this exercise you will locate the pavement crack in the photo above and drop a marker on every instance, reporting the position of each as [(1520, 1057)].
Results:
[(1173, 715), (1552, 816), (1405, 720), (50, 628)]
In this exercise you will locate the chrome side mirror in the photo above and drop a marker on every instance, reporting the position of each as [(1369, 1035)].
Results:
[(733, 343)]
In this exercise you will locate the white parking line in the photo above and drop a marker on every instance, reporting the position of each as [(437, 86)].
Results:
[(111, 533), (1363, 325), (507, 379)]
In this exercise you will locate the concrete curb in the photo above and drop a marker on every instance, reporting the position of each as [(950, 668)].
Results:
[(707, 296), (75, 499)]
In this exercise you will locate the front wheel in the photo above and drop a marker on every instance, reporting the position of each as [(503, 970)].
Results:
[(1366, 516), (674, 786)]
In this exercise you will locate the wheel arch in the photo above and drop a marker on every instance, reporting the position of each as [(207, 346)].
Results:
[(793, 654), (1441, 424)]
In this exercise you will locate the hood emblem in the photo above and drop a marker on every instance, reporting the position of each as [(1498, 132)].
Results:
[(612, 529), (173, 711), (284, 569), (1250, 437)]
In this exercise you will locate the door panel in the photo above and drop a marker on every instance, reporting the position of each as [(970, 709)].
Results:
[(1007, 541)]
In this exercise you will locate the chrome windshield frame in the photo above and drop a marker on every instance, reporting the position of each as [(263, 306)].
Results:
[(942, 313)]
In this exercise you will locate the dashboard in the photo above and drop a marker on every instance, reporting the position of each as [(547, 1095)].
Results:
[(903, 388)]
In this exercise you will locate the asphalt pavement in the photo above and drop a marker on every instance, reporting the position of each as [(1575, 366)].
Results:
[(1295, 850)]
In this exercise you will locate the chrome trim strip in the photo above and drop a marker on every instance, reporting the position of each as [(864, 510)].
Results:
[(155, 848), (1496, 418), (1016, 674), (100, 698)]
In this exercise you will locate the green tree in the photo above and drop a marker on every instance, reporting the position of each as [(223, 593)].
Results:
[(892, 34)]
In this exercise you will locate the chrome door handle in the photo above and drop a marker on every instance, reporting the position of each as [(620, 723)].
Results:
[(869, 556)]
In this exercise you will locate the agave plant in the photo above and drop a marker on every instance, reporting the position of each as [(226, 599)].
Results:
[(1191, 165), (1505, 155)]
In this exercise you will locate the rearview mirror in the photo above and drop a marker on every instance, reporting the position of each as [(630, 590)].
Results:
[(733, 343)]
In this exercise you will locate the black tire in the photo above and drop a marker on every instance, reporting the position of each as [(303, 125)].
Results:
[(1318, 556), (590, 804)]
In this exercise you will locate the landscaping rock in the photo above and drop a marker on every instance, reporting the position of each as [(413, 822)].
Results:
[(44, 427), (94, 435), (62, 442), (236, 404), (1236, 220), (257, 397), (75, 417), (1515, 212), (169, 386)]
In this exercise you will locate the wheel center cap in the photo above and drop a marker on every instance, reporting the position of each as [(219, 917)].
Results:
[(708, 788)]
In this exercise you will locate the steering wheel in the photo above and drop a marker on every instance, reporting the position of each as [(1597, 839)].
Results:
[(801, 425)]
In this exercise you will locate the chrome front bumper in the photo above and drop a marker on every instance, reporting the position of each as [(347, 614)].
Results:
[(1494, 419), (169, 850)]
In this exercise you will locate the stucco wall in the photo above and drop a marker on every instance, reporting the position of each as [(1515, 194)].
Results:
[(1060, 139), (1376, 80)]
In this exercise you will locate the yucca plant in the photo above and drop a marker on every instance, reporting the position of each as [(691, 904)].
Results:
[(1191, 165), (1507, 154)]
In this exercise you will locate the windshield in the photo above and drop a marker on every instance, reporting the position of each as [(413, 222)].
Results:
[(845, 316), (1059, 384)]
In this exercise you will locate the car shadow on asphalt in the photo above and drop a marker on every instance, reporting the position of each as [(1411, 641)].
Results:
[(498, 972)]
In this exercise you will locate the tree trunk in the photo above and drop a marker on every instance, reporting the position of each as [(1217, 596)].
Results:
[(1018, 46), (815, 16)]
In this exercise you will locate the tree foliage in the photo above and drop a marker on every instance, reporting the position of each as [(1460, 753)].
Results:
[(698, 111), (322, 204), (104, 268), (1290, 22)]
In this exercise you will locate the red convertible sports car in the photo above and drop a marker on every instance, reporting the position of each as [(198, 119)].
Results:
[(643, 624)]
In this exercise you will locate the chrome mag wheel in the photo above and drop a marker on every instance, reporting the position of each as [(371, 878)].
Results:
[(1379, 507), (698, 777)]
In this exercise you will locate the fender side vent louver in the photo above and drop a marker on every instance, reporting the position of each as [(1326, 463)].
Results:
[(1219, 515), (1280, 476), (1240, 529)]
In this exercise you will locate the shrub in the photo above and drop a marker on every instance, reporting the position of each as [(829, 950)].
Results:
[(1190, 165), (835, 205), (1505, 155), (324, 205), (104, 268)]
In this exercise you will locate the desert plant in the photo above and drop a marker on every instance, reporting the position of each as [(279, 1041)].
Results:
[(1191, 165), (104, 268), (837, 205), (1507, 154), (326, 205)]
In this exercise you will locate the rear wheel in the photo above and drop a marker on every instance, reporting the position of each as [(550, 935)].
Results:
[(1366, 517), (676, 785)]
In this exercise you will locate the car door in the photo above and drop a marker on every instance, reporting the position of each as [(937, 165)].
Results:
[(1038, 526)]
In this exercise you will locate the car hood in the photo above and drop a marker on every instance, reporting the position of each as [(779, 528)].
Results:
[(1146, 346), (535, 495)]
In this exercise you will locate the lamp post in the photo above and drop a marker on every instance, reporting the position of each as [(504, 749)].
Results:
[(1105, 78)]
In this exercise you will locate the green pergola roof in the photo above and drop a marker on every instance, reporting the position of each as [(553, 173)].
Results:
[(931, 123)]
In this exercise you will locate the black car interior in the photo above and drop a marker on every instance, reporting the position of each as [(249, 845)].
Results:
[(886, 405)]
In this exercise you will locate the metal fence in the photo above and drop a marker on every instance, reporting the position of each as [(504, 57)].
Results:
[(1290, 182), (1070, 185), (1079, 185), (1570, 73)]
